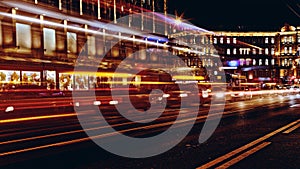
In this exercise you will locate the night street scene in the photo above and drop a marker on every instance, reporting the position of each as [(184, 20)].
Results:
[(149, 84)]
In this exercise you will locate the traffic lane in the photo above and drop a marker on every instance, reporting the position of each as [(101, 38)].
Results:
[(233, 132), (283, 151), (270, 123)]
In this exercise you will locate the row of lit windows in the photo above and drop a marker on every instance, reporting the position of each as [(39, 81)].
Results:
[(228, 40), (222, 40), (267, 40), (246, 51), (98, 8), (24, 39), (252, 62), (290, 39), (288, 50)]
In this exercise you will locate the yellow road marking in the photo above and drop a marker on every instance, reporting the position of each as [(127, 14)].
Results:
[(292, 129), (239, 150), (244, 155), (36, 118)]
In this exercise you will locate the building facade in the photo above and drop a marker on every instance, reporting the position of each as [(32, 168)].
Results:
[(261, 56), (40, 41)]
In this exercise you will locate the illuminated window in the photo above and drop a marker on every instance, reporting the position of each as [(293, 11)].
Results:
[(234, 51), (91, 45), (272, 51), (23, 36), (242, 61), (228, 52), (266, 40), (215, 40), (260, 51), (248, 60), (10, 76), (260, 62), (285, 50), (66, 81), (228, 40), (30, 77), (72, 42), (234, 40), (49, 40), (267, 62), (254, 62), (290, 49), (254, 51), (290, 39), (50, 79), (285, 62), (273, 61), (285, 39), (221, 40), (272, 40), (298, 38), (266, 51)]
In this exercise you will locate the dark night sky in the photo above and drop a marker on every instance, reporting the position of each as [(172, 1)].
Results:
[(238, 14)]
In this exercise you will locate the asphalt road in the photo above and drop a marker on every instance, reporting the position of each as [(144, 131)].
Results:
[(257, 133)]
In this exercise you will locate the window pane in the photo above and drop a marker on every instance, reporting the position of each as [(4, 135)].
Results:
[(72, 45), (49, 40), (23, 36)]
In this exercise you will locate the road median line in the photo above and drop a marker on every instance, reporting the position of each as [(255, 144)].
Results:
[(244, 155), (247, 146)]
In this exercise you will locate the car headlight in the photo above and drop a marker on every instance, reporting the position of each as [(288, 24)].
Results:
[(9, 109), (219, 95), (97, 103), (166, 95), (113, 102), (204, 94), (183, 95)]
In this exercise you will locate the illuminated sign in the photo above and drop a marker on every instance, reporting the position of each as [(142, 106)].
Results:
[(233, 63)]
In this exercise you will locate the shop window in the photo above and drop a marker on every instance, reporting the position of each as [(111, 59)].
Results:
[(50, 79), (31, 77), (8, 77), (65, 81)]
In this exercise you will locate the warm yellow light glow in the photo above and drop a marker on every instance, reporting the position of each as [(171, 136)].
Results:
[(178, 21), (188, 77)]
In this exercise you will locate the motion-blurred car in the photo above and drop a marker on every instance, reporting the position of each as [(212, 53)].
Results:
[(239, 93), (295, 89)]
